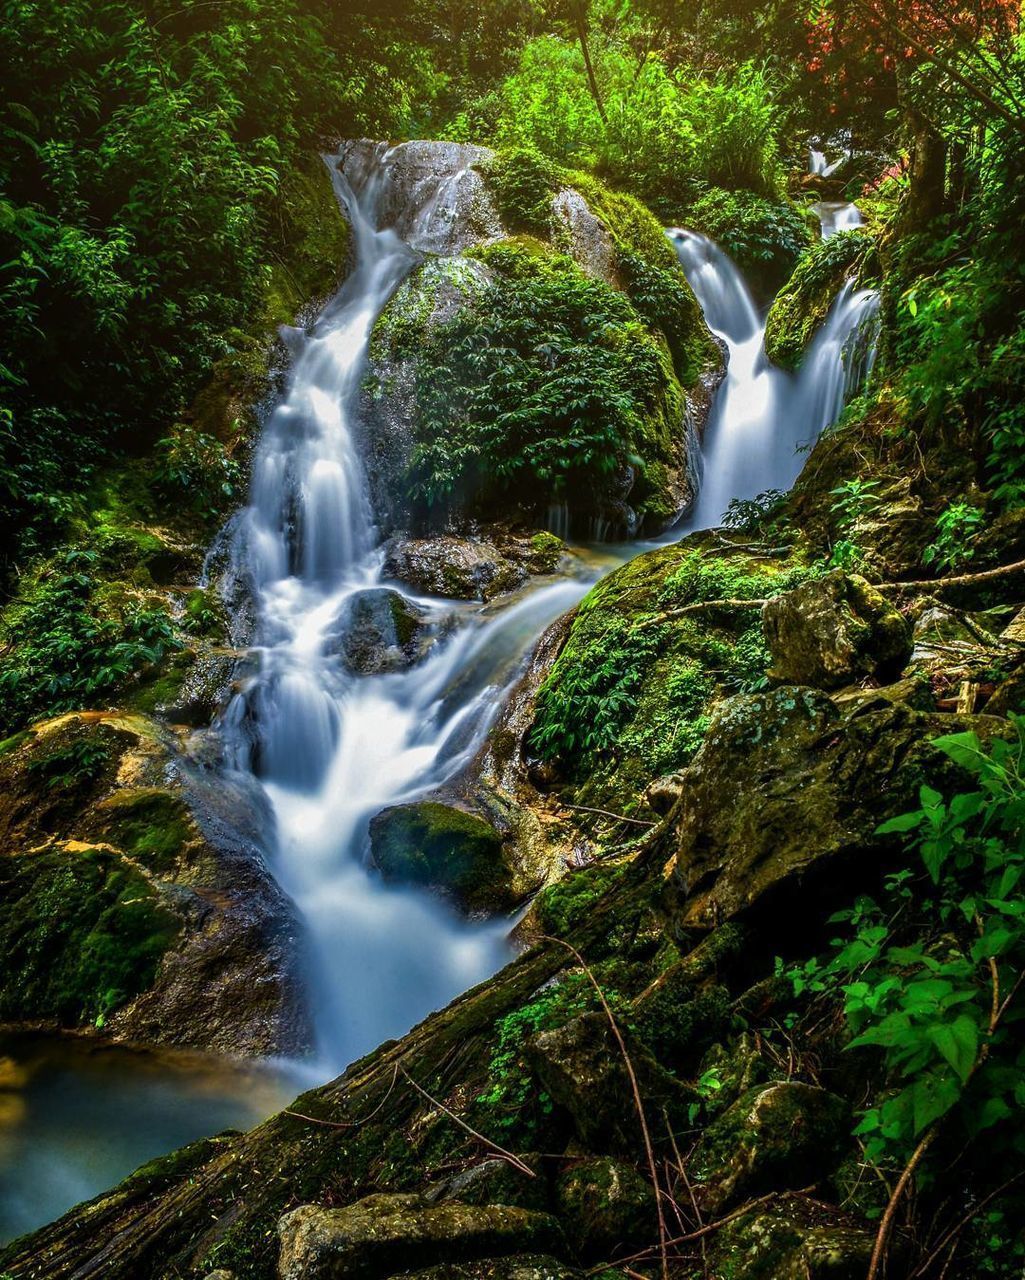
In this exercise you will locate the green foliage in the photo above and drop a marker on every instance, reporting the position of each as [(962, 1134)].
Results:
[(523, 184), (802, 305), (764, 236), (956, 529), (562, 906), (749, 515), (853, 500), (71, 645), (546, 384), (196, 471), (933, 980)]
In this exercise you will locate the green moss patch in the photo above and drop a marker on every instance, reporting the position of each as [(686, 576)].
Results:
[(81, 934)]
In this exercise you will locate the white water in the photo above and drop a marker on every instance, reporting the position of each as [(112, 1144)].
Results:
[(332, 748), (764, 419)]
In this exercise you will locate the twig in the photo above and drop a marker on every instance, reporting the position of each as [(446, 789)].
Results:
[(700, 606), (347, 1124), (514, 1160), (886, 1224), (605, 813), (638, 1102), (958, 1227)]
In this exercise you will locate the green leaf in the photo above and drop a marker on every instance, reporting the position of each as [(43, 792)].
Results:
[(958, 1042)]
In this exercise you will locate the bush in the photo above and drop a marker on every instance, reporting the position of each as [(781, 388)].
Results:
[(764, 237)]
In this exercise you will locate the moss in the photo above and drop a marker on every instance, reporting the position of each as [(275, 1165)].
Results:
[(629, 697), (801, 306), (148, 823), (437, 845), (546, 552), (523, 184), (561, 906), (81, 931)]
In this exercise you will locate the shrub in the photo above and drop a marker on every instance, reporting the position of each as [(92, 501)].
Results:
[(765, 237)]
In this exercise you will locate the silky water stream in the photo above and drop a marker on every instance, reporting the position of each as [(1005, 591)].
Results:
[(332, 748)]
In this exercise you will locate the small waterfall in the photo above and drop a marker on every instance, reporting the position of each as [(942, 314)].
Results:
[(836, 215), (762, 418)]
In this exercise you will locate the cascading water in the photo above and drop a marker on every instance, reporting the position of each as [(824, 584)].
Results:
[(763, 418), (333, 748)]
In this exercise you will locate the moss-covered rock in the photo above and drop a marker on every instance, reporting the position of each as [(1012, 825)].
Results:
[(120, 912), (765, 237), (784, 1135), (807, 788), (834, 630), (385, 1234), (649, 654), (382, 630), (802, 304), (792, 1238), (444, 848), (524, 1266), (606, 1207)]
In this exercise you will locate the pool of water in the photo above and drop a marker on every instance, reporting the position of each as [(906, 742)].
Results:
[(77, 1117)]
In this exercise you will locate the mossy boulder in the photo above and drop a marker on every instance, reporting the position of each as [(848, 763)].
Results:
[(792, 1238), (382, 1235), (782, 803), (831, 631), (606, 1207), (498, 1182), (460, 568), (135, 898), (781, 1136), (764, 236), (525, 1266), (441, 847), (800, 308), (582, 1068)]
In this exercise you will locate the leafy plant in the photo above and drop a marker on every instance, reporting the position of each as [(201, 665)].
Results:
[(956, 530), (934, 982), (853, 500)]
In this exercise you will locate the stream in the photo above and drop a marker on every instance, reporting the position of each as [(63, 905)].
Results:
[(332, 748)]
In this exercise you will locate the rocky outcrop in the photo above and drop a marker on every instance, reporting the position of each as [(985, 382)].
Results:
[(440, 847), (834, 630), (381, 630), (807, 787), (170, 928), (472, 568), (607, 1207), (386, 1234), (791, 1238)]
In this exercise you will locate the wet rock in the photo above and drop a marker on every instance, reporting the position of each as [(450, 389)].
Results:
[(777, 1136), (380, 630), (384, 1235), (408, 200), (581, 1067), (442, 847), (171, 929), (497, 1182), (520, 1267), (805, 788), (460, 568), (791, 1238), (584, 236), (606, 1207), (831, 631)]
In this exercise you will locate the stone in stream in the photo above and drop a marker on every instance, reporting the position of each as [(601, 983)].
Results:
[(380, 630), (383, 1235), (441, 847), (831, 631), (460, 568)]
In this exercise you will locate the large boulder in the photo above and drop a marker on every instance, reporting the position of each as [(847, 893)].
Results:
[(441, 847), (168, 926), (834, 630), (780, 1136), (383, 1235), (460, 568), (785, 796)]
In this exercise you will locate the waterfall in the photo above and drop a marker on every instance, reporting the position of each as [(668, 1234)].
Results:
[(836, 215), (763, 419), (330, 747)]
